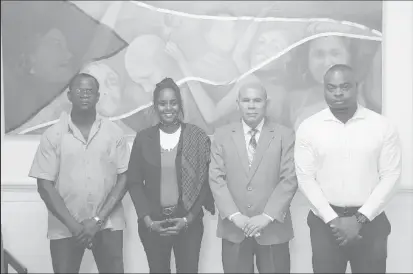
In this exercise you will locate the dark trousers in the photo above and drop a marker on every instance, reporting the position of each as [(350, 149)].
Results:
[(367, 255), (186, 246), (239, 257), (67, 253)]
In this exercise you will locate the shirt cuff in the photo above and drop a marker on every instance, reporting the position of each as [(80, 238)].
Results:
[(367, 215), (268, 216), (326, 214), (43, 176), (230, 217)]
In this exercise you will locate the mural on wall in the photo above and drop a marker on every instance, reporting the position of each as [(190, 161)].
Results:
[(209, 48)]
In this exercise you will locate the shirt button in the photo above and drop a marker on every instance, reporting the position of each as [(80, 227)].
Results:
[(249, 188), (249, 206)]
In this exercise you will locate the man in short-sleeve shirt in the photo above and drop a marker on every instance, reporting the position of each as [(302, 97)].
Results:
[(80, 168)]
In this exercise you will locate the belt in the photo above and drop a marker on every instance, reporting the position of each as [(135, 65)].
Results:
[(168, 212), (346, 211)]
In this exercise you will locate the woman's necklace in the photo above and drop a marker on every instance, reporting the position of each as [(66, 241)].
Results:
[(169, 141)]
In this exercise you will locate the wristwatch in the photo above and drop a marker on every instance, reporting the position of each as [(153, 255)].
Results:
[(98, 220), (361, 219)]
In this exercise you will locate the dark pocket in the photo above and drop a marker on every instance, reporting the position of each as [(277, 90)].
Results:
[(310, 218), (379, 227)]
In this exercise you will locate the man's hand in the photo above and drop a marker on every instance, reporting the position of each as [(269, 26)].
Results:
[(178, 225), (346, 229), (77, 231), (90, 228), (255, 225), (240, 221)]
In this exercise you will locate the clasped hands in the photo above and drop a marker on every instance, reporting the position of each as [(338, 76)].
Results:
[(85, 231), (253, 226), (346, 229), (167, 227)]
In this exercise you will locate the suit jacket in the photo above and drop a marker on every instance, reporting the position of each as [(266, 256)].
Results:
[(144, 177), (267, 187)]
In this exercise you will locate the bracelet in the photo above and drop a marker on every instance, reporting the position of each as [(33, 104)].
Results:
[(186, 222), (150, 226), (361, 219)]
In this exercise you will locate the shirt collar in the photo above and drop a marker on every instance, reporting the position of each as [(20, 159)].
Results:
[(66, 119), (359, 114), (247, 128)]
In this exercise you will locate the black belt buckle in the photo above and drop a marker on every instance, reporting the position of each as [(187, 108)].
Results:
[(168, 211)]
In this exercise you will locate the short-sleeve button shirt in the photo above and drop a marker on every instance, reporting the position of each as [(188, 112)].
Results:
[(84, 171)]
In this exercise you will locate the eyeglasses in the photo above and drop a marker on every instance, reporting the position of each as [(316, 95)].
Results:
[(85, 91)]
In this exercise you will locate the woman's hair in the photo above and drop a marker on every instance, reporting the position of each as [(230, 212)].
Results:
[(170, 84)]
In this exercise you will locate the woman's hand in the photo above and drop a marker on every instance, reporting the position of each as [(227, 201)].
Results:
[(179, 224), (156, 226)]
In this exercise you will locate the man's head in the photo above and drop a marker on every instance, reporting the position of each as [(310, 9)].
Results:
[(340, 87), (83, 92), (252, 103), (109, 87)]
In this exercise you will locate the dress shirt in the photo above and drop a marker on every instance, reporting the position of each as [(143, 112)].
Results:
[(84, 171), (356, 164), (247, 135)]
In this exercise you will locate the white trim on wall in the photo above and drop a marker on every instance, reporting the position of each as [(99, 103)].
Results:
[(397, 77)]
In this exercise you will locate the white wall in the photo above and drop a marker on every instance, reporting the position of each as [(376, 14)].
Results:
[(24, 225), (398, 77), (24, 220)]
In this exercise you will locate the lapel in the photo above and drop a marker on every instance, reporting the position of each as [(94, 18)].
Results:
[(239, 140), (153, 146), (266, 137)]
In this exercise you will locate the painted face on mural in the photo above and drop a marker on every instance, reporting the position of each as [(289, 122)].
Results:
[(148, 83), (51, 59), (145, 61), (268, 45), (325, 52)]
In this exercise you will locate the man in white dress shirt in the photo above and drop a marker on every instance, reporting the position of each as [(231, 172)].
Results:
[(348, 164)]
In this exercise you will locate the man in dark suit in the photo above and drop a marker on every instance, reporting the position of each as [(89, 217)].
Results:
[(252, 178)]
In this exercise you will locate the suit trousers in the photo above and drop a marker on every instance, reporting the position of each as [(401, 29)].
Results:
[(186, 246), (67, 253), (239, 257), (367, 255)]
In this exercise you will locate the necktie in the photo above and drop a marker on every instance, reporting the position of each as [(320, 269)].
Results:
[(252, 146)]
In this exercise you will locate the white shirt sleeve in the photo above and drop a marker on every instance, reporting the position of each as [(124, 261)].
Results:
[(389, 168), (305, 167)]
